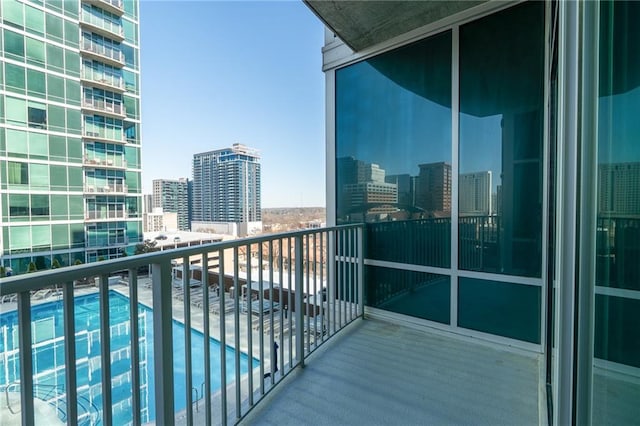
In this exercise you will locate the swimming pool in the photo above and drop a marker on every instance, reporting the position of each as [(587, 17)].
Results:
[(48, 357)]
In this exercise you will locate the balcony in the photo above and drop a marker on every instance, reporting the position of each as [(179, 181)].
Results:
[(103, 27), (113, 6), (103, 134), (101, 80), (111, 163), (113, 188), (104, 107), (101, 53), (105, 215), (244, 294)]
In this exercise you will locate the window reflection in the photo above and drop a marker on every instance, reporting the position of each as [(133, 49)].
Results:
[(393, 146), (501, 136), (617, 281)]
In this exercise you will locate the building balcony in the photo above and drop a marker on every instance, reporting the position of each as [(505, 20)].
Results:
[(298, 303), (114, 188), (110, 56), (105, 215), (94, 243), (104, 107), (112, 6), (102, 81), (103, 134), (103, 27), (116, 163)]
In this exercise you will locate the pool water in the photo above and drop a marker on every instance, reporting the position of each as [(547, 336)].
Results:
[(48, 358)]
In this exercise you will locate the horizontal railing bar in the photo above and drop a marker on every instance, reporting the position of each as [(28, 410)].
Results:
[(42, 279)]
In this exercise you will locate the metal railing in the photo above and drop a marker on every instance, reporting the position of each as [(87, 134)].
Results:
[(299, 289), (102, 50), (97, 76), (100, 22), (104, 105), (113, 161)]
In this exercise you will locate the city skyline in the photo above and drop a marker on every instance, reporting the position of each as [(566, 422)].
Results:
[(259, 84)]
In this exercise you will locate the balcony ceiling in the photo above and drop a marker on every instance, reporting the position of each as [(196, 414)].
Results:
[(362, 24)]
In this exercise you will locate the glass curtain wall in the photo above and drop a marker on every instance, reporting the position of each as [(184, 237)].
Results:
[(393, 149), (447, 234), (616, 363)]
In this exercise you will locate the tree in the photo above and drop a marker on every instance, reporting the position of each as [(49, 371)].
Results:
[(31, 267), (147, 246), (55, 264), (2, 272), (78, 262)]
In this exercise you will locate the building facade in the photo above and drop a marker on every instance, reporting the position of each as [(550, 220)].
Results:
[(226, 188), (172, 196), (69, 132), (543, 98)]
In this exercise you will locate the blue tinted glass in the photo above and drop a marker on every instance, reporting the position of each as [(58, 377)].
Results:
[(501, 138), (616, 390), (504, 309), (412, 293), (393, 150)]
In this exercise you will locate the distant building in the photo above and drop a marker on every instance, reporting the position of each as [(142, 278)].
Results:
[(69, 132), (619, 189), (172, 195), (158, 221), (226, 189), (433, 188), (147, 203), (364, 190), (475, 193)]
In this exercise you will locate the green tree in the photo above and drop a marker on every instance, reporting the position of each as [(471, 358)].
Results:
[(31, 267), (55, 264), (3, 272), (147, 246)]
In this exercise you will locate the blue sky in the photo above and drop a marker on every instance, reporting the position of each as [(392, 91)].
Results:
[(219, 72)]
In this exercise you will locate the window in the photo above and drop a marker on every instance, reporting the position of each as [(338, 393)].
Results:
[(18, 173), (40, 205), (14, 78), (18, 205), (14, 45), (37, 116)]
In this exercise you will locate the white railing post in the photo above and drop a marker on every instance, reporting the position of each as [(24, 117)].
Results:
[(71, 388), (135, 347), (26, 361), (163, 342), (299, 300), (360, 279), (105, 350)]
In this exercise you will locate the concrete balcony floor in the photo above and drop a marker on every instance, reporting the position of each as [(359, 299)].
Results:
[(377, 372)]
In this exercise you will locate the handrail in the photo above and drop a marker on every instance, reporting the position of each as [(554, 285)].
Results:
[(41, 279), (294, 307)]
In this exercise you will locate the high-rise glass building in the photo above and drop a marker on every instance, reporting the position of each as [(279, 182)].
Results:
[(172, 196), (226, 188), (69, 132)]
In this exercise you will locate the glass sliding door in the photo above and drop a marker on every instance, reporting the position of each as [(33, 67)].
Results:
[(393, 171), (500, 180), (439, 148), (616, 363)]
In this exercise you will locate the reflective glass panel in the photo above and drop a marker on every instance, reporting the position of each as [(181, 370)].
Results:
[(504, 309), (501, 138), (393, 151), (412, 293), (616, 389)]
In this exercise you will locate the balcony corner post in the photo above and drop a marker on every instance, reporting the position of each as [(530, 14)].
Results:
[(163, 342), (360, 279), (299, 300)]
